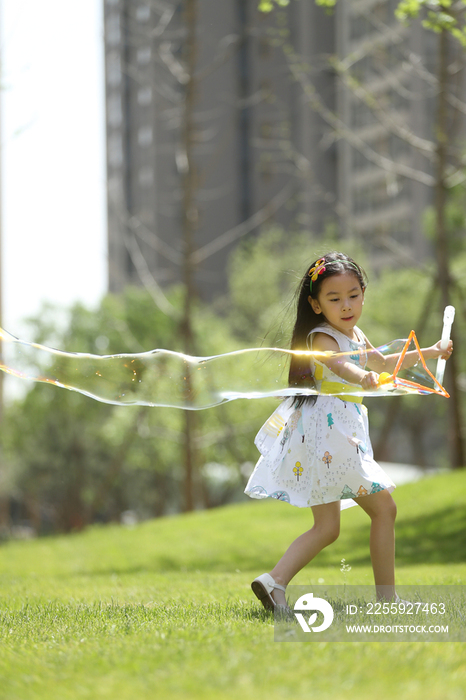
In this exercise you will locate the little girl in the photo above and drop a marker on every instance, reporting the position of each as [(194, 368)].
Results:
[(316, 451)]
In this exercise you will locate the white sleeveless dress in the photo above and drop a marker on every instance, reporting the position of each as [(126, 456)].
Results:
[(319, 453)]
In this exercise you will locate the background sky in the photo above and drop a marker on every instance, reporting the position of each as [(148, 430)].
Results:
[(53, 156)]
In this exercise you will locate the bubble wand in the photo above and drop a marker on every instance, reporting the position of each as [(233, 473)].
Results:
[(448, 317)]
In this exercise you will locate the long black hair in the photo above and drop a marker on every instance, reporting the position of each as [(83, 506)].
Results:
[(306, 318)]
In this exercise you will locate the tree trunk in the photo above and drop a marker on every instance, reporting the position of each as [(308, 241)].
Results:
[(189, 226), (116, 465), (456, 442)]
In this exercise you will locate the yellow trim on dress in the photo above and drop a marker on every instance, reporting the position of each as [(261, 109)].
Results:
[(337, 389), (333, 387)]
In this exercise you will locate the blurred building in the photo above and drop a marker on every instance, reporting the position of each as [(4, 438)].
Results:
[(257, 142), (281, 131)]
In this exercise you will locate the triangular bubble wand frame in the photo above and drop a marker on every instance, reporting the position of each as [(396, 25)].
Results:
[(400, 382)]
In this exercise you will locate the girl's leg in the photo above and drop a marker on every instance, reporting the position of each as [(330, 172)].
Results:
[(325, 531), (381, 509)]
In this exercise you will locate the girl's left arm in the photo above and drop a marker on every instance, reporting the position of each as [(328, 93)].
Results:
[(387, 363)]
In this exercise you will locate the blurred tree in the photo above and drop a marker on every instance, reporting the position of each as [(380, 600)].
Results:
[(437, 162), (437, 15), (268, 5), (60, 445), (74, 461)]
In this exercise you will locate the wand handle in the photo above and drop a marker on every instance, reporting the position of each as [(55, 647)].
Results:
[(448, 317)]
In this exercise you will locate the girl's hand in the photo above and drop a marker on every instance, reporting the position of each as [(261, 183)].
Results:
[(370, 381), (436, 351)]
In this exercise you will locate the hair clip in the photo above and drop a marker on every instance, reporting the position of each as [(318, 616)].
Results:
[(317, 270)]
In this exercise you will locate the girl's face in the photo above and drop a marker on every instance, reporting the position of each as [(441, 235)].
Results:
[(340, 300)]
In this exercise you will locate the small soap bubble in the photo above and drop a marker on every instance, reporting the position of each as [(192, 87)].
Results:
[(102, 343)]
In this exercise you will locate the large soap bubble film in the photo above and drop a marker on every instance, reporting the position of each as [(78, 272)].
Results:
[(172, 379)]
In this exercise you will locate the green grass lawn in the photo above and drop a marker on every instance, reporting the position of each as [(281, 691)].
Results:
[(165, 610)]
